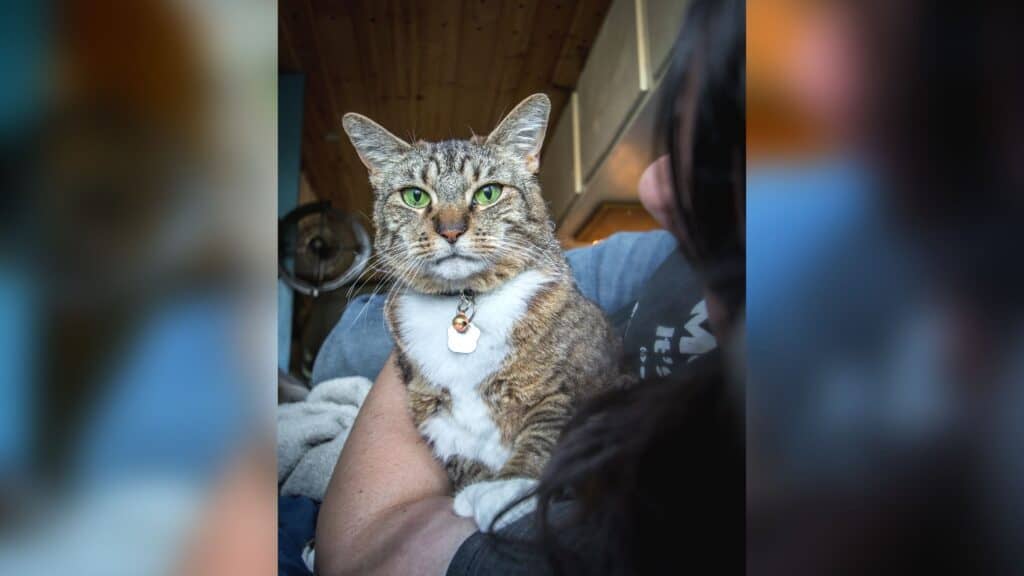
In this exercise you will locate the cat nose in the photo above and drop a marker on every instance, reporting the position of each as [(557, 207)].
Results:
[(452, 234), (450, 223)]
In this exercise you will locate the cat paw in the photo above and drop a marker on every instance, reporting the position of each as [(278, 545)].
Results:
[(485, 500)]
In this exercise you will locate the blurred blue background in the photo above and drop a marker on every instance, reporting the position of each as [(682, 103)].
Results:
[(137, 311)]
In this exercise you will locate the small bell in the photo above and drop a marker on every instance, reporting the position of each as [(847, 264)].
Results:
[(462, 334), (460, 323)]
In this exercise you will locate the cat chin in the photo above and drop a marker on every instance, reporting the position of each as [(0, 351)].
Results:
[(457, 268)]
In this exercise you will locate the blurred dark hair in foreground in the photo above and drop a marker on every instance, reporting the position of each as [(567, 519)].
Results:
[(885, 349), (136, 291)]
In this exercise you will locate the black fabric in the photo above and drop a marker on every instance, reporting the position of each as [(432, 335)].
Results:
[(666, 328), (479, 554), (514, 552)]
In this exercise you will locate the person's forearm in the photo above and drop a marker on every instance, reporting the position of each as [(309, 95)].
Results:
[(386, 493), (417, 538)]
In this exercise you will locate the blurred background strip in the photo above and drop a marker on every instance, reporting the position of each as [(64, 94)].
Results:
[(137, 299)]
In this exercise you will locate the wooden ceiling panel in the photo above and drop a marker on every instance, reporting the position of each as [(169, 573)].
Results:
[(433, 69)]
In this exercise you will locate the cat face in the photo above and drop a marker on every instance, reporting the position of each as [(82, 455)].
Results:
[(461, 213)]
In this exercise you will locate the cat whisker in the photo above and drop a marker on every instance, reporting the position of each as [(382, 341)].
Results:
[(377, 289), (514, 249), (376, 263)]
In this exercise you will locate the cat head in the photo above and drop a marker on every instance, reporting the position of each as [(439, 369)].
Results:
[(459, 214)]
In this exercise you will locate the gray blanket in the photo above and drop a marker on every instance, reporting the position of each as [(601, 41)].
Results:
[(311, 433)]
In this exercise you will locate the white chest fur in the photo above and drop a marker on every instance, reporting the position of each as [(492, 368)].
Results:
[(469, 430)]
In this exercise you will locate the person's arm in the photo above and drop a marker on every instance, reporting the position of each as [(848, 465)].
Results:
[(388, 507)]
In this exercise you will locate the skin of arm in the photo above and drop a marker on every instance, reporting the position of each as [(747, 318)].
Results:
[(388, 507)]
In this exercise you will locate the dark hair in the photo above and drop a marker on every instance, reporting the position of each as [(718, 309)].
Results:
[(657, 470), (704, 112)]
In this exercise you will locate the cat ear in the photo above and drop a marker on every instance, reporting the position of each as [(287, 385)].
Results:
[(522, 131), (374, 144)]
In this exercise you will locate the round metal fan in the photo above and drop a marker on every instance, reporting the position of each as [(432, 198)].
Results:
[(321, 248)]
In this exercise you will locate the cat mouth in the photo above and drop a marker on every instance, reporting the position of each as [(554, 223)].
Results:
[(452, 257), (456, 256), (456, 266)]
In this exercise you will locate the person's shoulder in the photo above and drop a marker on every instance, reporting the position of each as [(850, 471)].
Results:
[(653, 245), (612, 271)]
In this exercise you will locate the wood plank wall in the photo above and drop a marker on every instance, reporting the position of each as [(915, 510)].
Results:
[(430, 69)]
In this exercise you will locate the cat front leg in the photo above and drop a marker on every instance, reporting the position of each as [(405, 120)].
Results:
[(484, 501), (542, 425)]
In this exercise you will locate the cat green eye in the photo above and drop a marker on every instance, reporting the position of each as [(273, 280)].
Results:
[(487, 194), (415, 198)]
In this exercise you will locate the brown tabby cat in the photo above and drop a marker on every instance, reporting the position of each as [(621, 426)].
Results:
[(494, 341)]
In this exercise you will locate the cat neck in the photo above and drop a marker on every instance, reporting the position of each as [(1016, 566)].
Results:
[(420, 322), (487, 282), (533, 277)]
